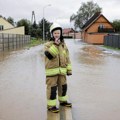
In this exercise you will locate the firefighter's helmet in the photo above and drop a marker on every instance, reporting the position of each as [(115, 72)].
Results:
[(55, 26)]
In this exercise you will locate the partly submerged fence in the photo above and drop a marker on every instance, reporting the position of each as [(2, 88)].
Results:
[(112, 41), (9, 42)]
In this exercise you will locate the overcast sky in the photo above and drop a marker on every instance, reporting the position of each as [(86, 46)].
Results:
[(59, 11)]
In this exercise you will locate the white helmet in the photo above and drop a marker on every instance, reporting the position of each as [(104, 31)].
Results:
[(55, 26)]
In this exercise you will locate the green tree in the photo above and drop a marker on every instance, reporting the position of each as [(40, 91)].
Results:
[(47, 28), (26, 23), (116, 25), (84, 13), (33, 30), (10, 20)]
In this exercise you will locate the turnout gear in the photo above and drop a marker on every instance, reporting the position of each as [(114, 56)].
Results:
[(54, 83), (64, 89), (53, 92), (57, 66), (48, 55), (57, 60)]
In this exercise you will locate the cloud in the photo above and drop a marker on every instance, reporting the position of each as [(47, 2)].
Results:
[(65, 23), (60, 10)]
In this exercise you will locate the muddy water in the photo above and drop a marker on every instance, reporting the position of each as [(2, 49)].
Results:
[(95, 82), (94, 87), (22, 86)]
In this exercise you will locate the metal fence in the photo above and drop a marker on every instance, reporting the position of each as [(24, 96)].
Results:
[(9, 42), (112, 41)]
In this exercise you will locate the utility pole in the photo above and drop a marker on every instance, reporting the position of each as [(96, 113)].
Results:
[(44, 21), (33, 21), (33, 17)]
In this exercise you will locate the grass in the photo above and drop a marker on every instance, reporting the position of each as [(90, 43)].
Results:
[(35, 42), (112, 48)]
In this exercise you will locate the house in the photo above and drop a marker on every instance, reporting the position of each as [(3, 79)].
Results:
[(94, 30), (71, 33), (68, 32), (6, 27)]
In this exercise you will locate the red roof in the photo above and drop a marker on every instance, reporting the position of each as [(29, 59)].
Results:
[(68, 30)]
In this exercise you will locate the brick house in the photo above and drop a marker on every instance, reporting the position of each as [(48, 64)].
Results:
[(94, 30), (68, 32), (71, 33)]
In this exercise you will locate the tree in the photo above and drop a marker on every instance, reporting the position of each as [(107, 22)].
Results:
[(84, 13), (33, 30), (26, 23), (47, 28), (116, 25), (10, 20)]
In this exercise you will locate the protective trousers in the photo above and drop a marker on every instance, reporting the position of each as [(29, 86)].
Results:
[(55, 83)]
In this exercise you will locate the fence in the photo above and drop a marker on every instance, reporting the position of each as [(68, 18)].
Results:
[(9, 42), (112, 41)]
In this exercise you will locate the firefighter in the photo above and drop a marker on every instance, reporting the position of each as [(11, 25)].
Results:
[(57, 66)]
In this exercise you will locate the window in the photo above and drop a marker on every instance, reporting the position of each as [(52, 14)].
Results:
[(101, 26), (1, 27)]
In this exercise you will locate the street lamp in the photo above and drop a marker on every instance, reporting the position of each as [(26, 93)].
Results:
[(44, 21)]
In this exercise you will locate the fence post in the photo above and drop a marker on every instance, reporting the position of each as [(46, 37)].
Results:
[(8, 43), (3, 40), (19, 41), (16, 41), (23, 40), (119, 41), (104, 40)]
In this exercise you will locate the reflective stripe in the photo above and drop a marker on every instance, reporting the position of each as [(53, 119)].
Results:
[(53, 50), (51, 102), (63, 98), (55, 71), (69, 67), (63, 71)]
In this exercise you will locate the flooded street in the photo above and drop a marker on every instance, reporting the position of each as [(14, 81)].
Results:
[(22, 86), (96, 83), (94, 87)]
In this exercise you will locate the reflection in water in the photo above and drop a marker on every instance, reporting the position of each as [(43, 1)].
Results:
[(4, 55), (53, 116), (64, 114), (91, 55)]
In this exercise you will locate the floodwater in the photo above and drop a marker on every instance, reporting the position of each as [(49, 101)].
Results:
[(95, 82), (93, 89)]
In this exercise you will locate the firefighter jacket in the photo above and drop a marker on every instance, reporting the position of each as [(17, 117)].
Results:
[(57, 60)]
